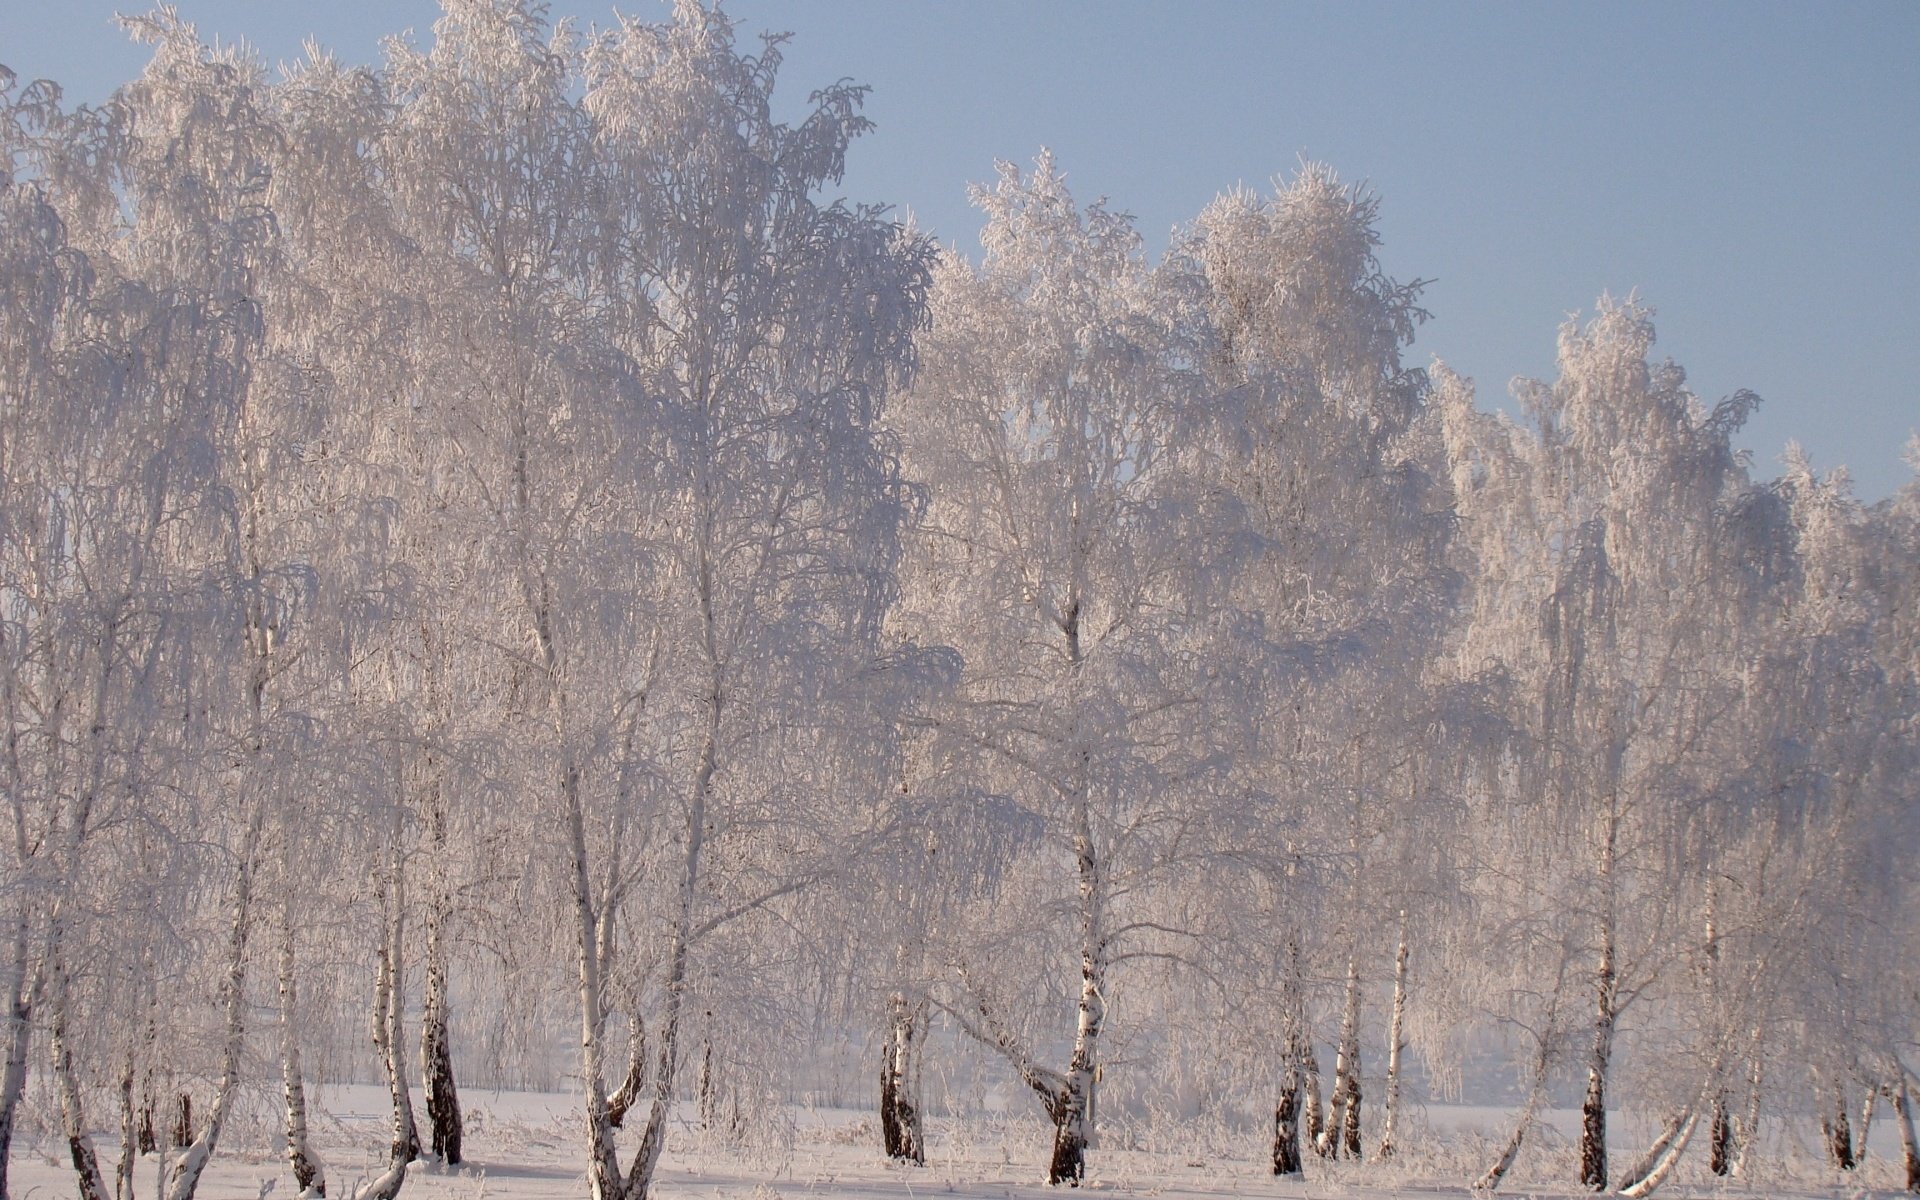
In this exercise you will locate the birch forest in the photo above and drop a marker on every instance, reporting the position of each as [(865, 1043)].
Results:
[(509, 584)]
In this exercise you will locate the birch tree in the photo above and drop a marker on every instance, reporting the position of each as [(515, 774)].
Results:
[(1061, 563)]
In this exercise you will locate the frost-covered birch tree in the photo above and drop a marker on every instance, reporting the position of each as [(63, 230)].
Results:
[(1061, 559)]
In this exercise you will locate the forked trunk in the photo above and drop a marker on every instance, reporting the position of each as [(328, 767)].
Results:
[(184, 1177), (1343, 1132), (603, 1163), (389, 1006), (1317, 1132), (622, 1100), (653, 1140)]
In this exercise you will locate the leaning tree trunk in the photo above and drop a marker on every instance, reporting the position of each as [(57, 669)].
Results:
[(1511, 1151), (1909, 1150), (901, 1129), (603, 1162), (1542, 1060), (390, 1002), (389, 1039), (1672, 1139), (184, 1178), (308, 1173), (653, 1140), (622, 1100), (1659, 1167), (1396, 1043), (80, 1150)]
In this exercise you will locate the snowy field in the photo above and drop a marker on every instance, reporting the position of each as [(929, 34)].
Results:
[(526, 1145)]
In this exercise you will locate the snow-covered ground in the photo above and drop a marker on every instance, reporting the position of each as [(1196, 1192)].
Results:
[(526, 1145)]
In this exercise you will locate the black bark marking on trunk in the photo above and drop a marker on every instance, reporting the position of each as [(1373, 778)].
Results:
[(900, 1121), (443, 1098), (1286, 1129), (1720, 1136), (1069, 1163), (1839, 1133)]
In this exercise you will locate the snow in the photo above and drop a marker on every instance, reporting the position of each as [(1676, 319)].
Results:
[(528, 1145)]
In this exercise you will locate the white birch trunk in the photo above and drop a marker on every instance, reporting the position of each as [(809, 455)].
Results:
[(436, 1051), (129, 1127), (901, 1130), (636, 1077), (309, 1175), (1318, 1130), (1542, 1060), (73, 1118), (1747, 1136), (19, 1000), (1072, 1132), (1294, 1050), (1909, 1149), (603, 1165), (1343, 1132), (1396, 1043), (1661, 1166), (390, 1002), (654, 1139), (1593, 1108), (1866, 1126), (437, 1085), (1678, 1128), (1511, 1151), (184, 1177)]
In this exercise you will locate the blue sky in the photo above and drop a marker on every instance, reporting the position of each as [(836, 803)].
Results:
[(1752, 169)]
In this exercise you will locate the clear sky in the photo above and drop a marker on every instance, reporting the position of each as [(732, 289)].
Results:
[(1753, 169)]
